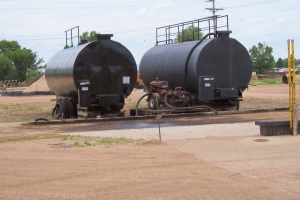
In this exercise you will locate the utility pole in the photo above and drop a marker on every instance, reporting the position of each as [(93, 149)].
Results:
[(213, 10)]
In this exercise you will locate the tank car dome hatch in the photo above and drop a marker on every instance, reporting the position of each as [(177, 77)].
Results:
[(106, 66)]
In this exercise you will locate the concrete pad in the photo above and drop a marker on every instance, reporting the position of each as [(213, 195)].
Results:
[(182, 132)]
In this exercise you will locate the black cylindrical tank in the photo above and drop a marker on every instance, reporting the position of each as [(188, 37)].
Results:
[(223, 58), (107, 65)]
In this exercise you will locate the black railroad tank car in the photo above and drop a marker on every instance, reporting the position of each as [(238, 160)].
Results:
[(94, 77), (214, 70)]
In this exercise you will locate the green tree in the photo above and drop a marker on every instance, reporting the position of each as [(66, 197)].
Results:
[(6, 68), (89, 36), (24, 61), (42, 66), (33, 74), (16, 62), (189, 33), (285, 62), (262, 58), (8, 46), (279, 63)]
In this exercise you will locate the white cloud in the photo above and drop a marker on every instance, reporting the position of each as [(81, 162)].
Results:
[(141, 11), (163, 5)]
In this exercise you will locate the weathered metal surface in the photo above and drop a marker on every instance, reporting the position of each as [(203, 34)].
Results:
[(104, 63), (159, 89), (223, 58), (275, 127), (165, 34)]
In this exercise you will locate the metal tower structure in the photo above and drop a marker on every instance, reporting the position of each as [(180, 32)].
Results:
[(214, 10)]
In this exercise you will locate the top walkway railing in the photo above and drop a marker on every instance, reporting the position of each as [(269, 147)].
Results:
[(191, 30)]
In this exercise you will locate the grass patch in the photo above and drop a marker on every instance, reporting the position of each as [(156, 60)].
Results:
[(123, 139), (69, 137), (142, 105), (131, 100), (81, 141), (22, 138), (105, 141), (147, 141), (78, 144), (266, 81), (3, 106), (64, 137), (15, 112), (29, 138), (264, 103), (110, 141)]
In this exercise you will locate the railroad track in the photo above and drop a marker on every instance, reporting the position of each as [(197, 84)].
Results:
[(43, 121)]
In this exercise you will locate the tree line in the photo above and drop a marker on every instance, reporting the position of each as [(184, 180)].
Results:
[(283, 63), (16, 62)]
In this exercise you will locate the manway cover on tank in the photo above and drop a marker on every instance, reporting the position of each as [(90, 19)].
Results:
[(104, 63), (223, 58)]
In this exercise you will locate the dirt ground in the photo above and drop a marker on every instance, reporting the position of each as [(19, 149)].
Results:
[(37, 163), (21, 109)]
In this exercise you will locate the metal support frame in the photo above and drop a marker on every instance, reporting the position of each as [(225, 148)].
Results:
[(71, 38), (292, 88), (166, 34)]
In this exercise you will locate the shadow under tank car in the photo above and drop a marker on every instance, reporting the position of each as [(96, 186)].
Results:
[(93, 78), (208, 72)]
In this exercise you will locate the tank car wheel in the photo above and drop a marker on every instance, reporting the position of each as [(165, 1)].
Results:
[(57, 110), (153, 102), (71, 106), (234, 106), (284, 79), (65, 109), (186, 102)]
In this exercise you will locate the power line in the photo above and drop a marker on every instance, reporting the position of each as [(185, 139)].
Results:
[(211, 9), (252, 4), (115, 35), (69, 7), (92, 14), (81, 2), (147, 28), (262, 14), (81, 7), (259, 16), (18, 36), (114, 31), (204, 9), (138, 29)]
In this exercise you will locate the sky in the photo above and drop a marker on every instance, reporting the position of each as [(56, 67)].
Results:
[(40, 25)]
